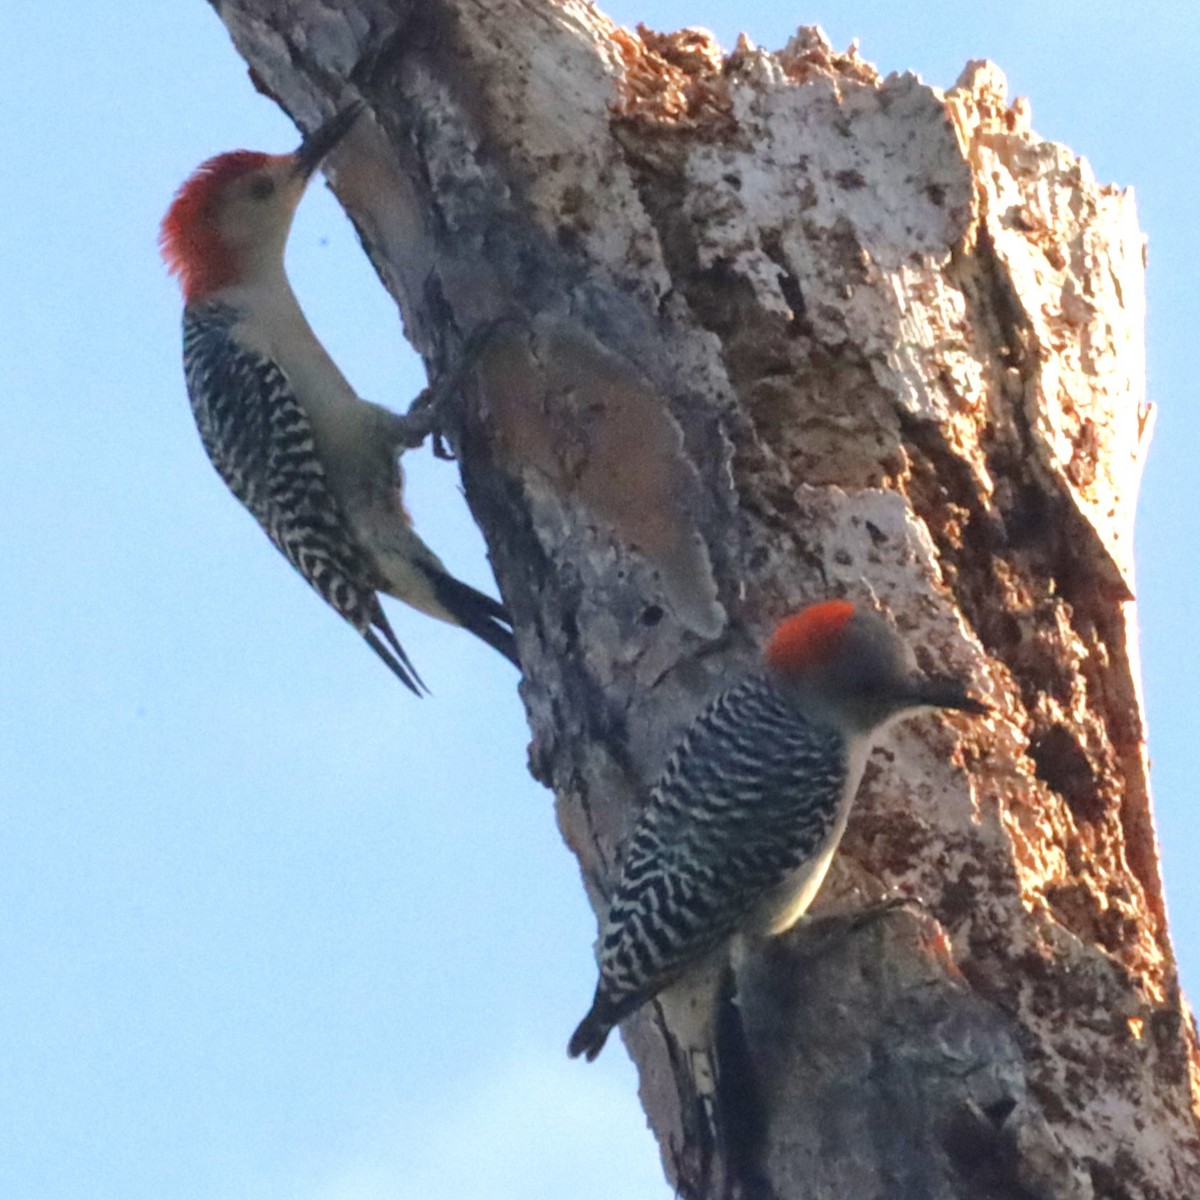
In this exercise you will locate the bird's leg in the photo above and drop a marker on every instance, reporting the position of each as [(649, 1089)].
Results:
[(408, 431), (827, 930), (426, 414), (882, 908)]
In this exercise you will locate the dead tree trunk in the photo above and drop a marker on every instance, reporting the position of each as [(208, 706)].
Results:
[(787, 331)]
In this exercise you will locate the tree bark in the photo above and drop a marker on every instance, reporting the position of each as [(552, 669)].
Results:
[(787, 330)]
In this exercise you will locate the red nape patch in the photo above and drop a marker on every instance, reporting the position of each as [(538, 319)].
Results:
[(188, 238), (809, 637)]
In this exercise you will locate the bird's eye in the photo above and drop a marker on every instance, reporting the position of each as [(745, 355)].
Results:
[(262, 188)]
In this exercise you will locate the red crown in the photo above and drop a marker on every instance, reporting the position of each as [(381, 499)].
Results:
[(188, 238), (808, 638)]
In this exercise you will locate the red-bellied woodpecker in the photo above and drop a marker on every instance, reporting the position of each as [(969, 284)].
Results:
[(742, 823), (315, 465)]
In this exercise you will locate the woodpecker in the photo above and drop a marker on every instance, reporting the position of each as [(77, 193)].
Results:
[(316, 466), (741, 825)]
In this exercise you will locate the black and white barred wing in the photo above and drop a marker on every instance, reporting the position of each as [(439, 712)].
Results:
[(749, 796), (261, 442)]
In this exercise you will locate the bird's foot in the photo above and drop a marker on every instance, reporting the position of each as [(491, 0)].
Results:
[(882, 908), (425, 416), (421, 421), (827, 930)]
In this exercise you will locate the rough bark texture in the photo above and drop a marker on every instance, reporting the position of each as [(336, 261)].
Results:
[(790, 330)]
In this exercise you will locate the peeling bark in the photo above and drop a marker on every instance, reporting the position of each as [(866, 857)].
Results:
[(789, 330)]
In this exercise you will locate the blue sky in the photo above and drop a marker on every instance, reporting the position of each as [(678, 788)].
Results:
[(271, 927)]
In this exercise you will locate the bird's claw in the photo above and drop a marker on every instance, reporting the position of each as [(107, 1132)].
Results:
[(473, 349), (480, 338), (425, 411), (409, 431), (883, 908)]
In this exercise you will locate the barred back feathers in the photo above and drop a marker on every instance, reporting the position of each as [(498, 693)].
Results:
[(749, 796), (260, 440)]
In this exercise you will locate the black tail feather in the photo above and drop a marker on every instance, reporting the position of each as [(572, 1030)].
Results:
[(486, 618), (589, 1038), (740, 1126), (603, 1017)]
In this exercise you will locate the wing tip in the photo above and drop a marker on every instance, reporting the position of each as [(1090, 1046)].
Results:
[(396, 659)]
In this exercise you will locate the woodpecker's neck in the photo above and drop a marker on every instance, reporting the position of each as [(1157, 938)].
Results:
[(265, 319), (245, 275), (269, 318)]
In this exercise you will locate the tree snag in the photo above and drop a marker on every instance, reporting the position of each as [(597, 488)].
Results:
[(784, 330)]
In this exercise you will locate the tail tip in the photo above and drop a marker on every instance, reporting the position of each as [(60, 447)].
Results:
[(589, 1038)]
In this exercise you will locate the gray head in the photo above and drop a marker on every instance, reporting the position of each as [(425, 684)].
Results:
[(851, 668)]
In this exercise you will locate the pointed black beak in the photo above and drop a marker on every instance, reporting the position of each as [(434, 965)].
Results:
[(939, 692), (317, 145)]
